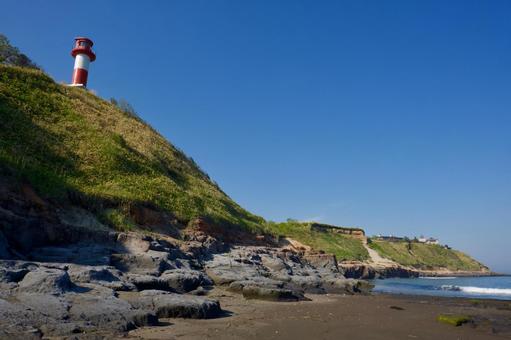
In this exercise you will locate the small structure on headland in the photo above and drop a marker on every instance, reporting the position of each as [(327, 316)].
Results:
[(428, 240), (421, 239), (83, 54)]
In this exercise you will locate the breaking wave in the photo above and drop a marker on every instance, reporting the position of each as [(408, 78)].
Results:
[(477, 290), (437, 277)]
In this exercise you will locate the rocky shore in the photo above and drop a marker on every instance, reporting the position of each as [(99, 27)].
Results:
[(369, 271), (131, 280)]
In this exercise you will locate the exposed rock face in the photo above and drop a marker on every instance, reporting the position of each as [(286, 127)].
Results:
[(11, 275), (366, 271), (70, 313), (184, 280), (45, 281), (271, 294), (106, 276), (155, 278), (170, 305), (358, 270), (37, 296), (148, 263), (110, 312), (355, 232), (279, 274), (325, 261), (177, 280), (134, 244), (155, 220)]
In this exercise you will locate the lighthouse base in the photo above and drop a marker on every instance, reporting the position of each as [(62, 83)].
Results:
[(75, 85)]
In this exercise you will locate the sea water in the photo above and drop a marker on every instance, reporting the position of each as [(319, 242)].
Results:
[(489, 287)]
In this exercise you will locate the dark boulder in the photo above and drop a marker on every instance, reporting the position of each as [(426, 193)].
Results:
[(271, 294), (45, 280), (183, 281), (171, 305)]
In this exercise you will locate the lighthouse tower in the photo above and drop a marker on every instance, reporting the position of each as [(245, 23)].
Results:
[(83, 54)]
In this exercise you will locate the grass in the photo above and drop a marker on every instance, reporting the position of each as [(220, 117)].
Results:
[(454, 320), (344, 247), (425, 256), (64, 139), (117, 219)]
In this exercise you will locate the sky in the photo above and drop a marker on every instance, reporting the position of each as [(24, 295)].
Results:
[(390, 115)]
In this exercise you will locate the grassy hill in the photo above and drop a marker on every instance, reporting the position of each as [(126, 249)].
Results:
[(425, 256), (64, 139), (344, 247)]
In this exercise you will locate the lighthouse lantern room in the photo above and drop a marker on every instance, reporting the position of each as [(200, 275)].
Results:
[(83, 54)]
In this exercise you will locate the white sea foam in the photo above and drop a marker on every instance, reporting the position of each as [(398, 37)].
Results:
[(437, 277), (450, 287), (478, 290), (491, 291)]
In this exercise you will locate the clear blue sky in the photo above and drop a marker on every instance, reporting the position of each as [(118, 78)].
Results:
[(391, 115)]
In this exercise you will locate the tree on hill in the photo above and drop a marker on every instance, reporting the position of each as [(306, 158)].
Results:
[(10, 55)]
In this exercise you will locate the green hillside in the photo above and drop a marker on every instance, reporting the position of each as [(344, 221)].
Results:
[(425, 256), (344, 247), (64, 139)]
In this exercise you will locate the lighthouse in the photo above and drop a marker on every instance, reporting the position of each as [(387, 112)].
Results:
[(83, 54)]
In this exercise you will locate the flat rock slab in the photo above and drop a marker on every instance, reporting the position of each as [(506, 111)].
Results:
[(106, 276), (93, 273), (272, 294), (149, 263), (109, 312), (45, 280), (237, 286), (347, 286), (183, 280), (175, 280), (46, 305), (171, 305), (34, 315)]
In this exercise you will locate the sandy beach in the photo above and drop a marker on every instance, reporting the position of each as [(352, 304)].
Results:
[(341, 317)]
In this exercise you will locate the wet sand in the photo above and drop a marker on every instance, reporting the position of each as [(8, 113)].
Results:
[(341, 317)]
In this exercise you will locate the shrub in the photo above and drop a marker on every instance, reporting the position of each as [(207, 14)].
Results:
[(117, 219), (10, 55)]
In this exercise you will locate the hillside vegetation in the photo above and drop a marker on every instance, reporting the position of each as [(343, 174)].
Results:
[(10, 55), (344, 247), (425, 256), (64, 139)]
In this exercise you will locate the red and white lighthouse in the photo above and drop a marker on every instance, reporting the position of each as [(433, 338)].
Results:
[(83, 54)]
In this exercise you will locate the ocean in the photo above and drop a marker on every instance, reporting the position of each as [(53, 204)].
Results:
[(491, 287)]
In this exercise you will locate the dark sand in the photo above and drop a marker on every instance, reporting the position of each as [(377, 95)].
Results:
[(341, 317)]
